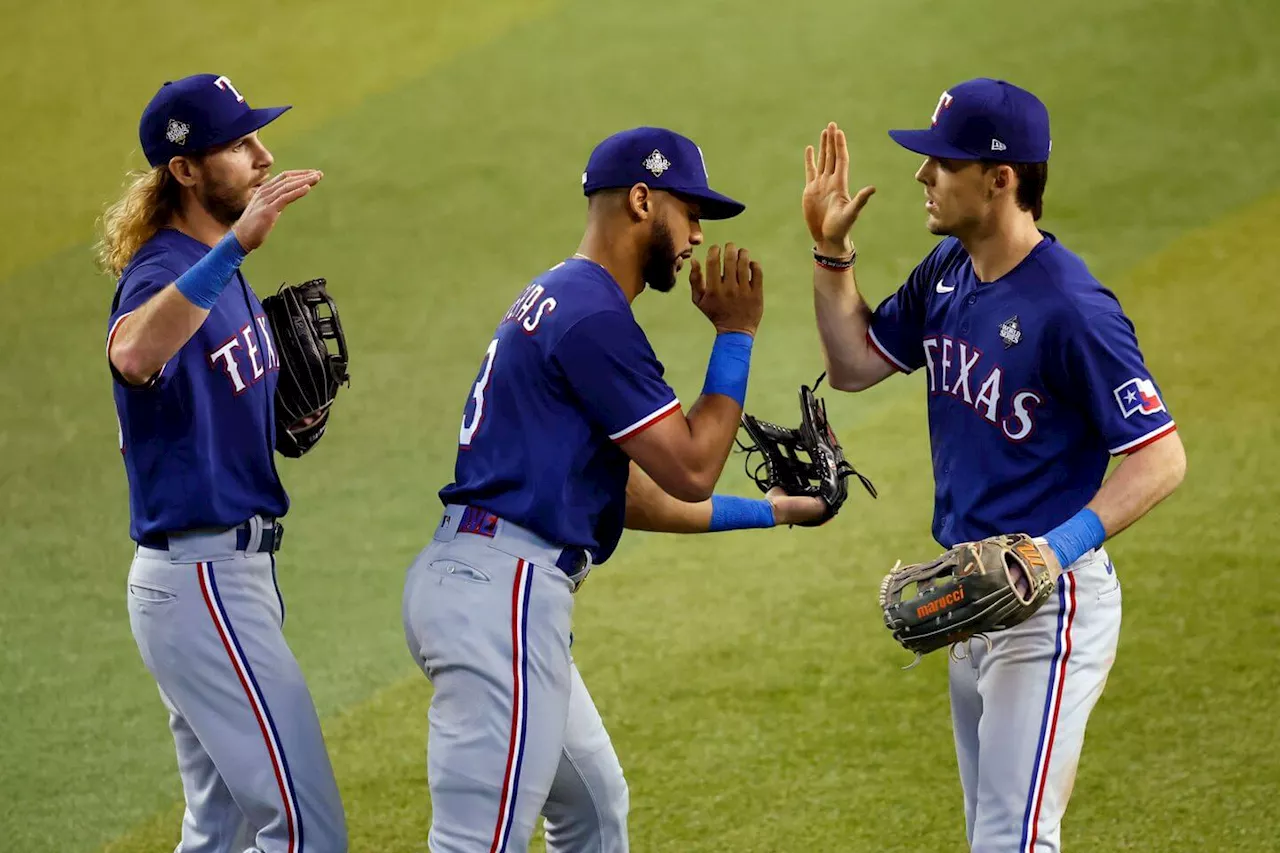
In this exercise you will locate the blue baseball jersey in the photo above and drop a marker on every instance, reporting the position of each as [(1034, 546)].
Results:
[(1034, 381), (198, 439), (568, 376)]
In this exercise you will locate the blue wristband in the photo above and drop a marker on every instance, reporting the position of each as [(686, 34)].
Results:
[(729, 365), (1072, 538), (205, 281), (729, 512)]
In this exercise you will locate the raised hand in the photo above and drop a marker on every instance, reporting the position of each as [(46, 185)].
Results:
[(829, 211), (269, 202), (731, 294)]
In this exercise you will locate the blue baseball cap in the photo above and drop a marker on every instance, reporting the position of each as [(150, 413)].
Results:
[(984, 119), (197, 113), (662, 160)]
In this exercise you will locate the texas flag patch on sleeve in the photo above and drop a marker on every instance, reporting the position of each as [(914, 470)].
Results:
[(1139, 396)]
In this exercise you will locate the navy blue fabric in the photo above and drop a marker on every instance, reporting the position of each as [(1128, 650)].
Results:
[(1034, 381), (198, 440)]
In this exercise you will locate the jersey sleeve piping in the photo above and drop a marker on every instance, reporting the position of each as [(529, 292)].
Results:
[(115, 327), (1142, 441), (883, 351), (647, 421), (111, 336)]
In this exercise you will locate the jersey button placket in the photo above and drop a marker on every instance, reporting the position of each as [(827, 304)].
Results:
[(968, 301)]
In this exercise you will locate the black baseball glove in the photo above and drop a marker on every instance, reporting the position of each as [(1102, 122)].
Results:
[(310, 372), (821, 475)]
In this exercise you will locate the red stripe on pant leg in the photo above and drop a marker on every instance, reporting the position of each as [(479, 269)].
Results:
[(262, 725), (1057, 707), (515, 707)]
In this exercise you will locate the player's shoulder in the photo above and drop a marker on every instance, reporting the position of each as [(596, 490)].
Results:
[(945, 256), (165, 253), (948, 251), (567, 296), (1067, 279), (578, 275), (583, 288)]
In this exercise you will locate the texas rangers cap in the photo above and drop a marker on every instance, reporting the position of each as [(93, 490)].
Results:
[(661, 159), (984, 119), (196, 113)]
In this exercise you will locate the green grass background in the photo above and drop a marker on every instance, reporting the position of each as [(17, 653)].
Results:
[(754, 697)]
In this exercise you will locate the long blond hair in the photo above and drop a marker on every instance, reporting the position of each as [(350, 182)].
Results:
[(151, 199)]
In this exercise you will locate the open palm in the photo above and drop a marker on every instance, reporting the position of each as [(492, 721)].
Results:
[(829, 210)]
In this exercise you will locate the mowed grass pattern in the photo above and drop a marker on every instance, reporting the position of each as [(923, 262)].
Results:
[(753, 695)]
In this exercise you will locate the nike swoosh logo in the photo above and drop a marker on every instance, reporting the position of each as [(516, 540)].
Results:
[(943, 289)]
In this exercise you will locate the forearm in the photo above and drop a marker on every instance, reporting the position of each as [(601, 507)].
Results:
[(713, 423), (685, 456), (843, 319), (146, 339), (1139, 482), (650, 508)]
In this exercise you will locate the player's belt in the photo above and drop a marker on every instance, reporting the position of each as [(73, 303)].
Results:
[(267, 543), (513, 539)]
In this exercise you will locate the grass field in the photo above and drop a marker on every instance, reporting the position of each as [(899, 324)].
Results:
[(753, 695)]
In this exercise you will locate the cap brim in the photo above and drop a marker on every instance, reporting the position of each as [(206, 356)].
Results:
[(926, 142), (251, 121), (711, 204)]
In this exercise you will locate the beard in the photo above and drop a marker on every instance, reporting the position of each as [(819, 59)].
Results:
[(659, 268), (223, 203)]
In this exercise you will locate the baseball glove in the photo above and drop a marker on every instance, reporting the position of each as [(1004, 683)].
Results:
[(309, 372), (821, 475), (973, 589)]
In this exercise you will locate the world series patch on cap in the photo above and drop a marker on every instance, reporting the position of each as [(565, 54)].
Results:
[(196, 113)]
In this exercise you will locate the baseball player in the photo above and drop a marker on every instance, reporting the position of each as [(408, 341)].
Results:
[(569, 434), (1035, 381), (195, 371)]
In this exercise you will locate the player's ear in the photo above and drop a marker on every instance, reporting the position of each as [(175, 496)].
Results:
[(1004, 177), (640, 202), (998, 178), (182, 171)]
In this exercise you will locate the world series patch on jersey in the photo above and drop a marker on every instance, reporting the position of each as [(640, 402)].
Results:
[(1034, 381)]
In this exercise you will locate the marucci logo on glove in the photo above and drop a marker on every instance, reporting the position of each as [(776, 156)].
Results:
[(940, 604), (973, 589)]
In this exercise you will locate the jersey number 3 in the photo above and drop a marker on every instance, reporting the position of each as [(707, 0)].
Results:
[(471, 422)]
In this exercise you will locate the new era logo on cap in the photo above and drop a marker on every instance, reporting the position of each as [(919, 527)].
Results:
[(1139, 396), (997, 145)]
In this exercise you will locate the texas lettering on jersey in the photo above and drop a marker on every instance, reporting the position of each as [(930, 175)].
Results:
[(243, 345), (1045, 357), (522, 310), (956, 367)]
